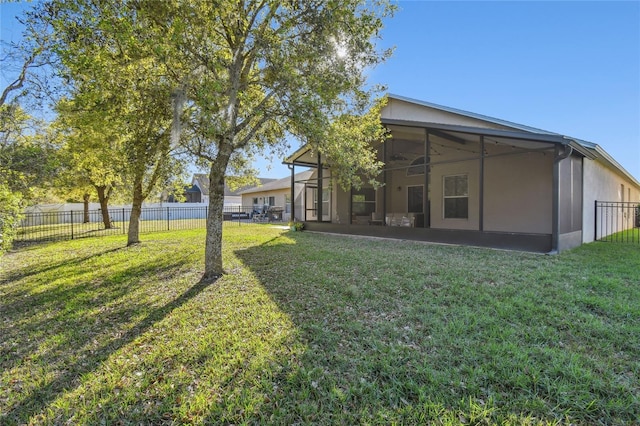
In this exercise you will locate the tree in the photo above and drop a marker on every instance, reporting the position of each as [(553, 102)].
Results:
[(118, 82), (28, 163), (253, 71), (91, 151), (243, 75), (28, 158)]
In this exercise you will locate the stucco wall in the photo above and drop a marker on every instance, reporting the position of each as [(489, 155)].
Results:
[(438, 172), (397, 183), (602, 184), (401, 110), (263, 197), (340, 206), (280, 199), (518, 193)]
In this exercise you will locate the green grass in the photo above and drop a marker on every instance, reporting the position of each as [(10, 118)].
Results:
[(317, 329)]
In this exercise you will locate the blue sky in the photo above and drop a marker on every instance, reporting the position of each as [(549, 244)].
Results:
[(569, 67)]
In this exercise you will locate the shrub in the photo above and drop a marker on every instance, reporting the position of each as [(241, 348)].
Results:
[(10, 215)]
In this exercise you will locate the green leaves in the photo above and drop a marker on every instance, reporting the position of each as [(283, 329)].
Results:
[(348, 147), (252, 72)]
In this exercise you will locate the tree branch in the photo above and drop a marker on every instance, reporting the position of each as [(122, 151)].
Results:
[(19, 82)]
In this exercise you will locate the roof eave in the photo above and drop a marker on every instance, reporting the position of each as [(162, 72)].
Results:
[(512, 134), (293, 158), (609, 160)]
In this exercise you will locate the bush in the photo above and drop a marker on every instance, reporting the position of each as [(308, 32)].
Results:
[(10, 215)]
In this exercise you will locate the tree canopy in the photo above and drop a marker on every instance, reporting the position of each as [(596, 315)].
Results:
[(223, 79), (251, 72)]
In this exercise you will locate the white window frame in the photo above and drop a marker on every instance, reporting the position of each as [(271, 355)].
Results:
[(445, 196)]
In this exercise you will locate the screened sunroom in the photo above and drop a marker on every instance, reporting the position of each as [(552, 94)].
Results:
[(459, 178)]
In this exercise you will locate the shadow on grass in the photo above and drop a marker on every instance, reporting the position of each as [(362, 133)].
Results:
[(73, 329), (47, 267), (417, 333), (358, 366)]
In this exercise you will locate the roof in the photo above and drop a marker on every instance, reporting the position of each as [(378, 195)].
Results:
[(202, 181), (486, 118), (520, 131), (284, 183)]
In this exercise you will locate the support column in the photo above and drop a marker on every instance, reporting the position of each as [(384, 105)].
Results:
[(350, 211), (481, 189), (319, 209), (427, 170), (561, 152), (385, 183), (293, 191), (555, 203)]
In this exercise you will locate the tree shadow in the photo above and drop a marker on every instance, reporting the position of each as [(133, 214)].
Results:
[(349, 337), (46, 267), (390, 343), (81, 326)]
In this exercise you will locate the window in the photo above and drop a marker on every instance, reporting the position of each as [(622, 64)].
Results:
[(363, 201), (417, 167), (255, 201), (287, 203), (414, 199), (456, 197), (272, 201)]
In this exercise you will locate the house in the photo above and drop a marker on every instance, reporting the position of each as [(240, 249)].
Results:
[(198, 191), (278, 193), (192, 194), (458, 177)]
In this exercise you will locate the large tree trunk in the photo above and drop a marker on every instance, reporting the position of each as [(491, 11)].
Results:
[(133, 236), (85, 199), (103, 198), (213, 242)]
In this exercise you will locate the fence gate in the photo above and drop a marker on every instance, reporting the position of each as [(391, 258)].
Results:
[(617, 221)]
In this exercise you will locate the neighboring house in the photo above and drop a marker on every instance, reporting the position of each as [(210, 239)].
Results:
[(198, 191), (192, 194), (277, 194), (458, 177)]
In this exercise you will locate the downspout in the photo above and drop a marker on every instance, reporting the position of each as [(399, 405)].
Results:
[(555, 231)]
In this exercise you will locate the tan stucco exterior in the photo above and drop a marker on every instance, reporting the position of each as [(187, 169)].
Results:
[(402, 110), (518, 193), (522, 182), (603, 183), (280, 190)]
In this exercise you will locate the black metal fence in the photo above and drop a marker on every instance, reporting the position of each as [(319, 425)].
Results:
[(617, 221), (70, 225)]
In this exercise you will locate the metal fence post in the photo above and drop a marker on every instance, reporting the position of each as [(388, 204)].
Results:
[(595, 222), (123, 221), (168, 221), (71, 224)]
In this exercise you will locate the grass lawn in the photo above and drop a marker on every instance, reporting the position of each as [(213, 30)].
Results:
[(317, 329)]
